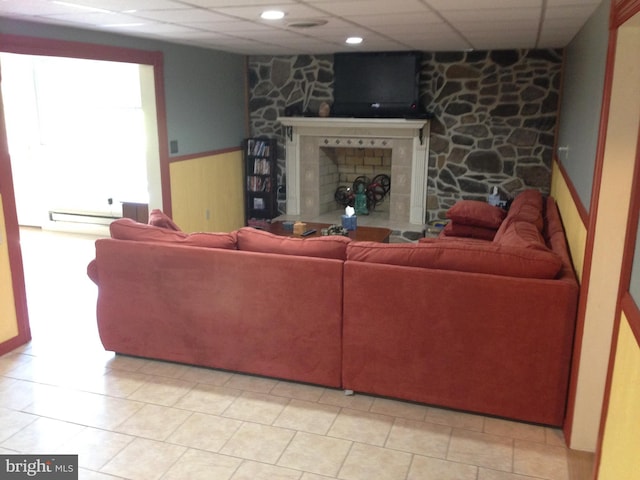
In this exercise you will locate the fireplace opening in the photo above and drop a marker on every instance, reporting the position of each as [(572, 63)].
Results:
[(395, 147), (342, 166)]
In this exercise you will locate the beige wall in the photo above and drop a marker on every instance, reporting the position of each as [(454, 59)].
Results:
[(621, 442), (612, 209), (207, 193), (575, 228)]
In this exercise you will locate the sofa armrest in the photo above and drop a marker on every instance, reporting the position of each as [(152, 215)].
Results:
[(92, 271)]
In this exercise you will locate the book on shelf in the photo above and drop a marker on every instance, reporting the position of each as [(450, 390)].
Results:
[(258, 184), (261, 166), (258, 148)]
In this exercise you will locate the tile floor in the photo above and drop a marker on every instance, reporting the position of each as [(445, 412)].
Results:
[(141, 419)]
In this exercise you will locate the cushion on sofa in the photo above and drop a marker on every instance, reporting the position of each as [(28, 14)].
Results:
[(479, 214), (521, 234), (528, 206), (128, 229), (453, 229), (158, 218), (477, 257), (553, 222), (254, 240)]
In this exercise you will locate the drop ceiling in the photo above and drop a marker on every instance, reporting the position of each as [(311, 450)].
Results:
[(236, 26)]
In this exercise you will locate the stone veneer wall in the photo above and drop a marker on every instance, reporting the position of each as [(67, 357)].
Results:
[(494, 121)]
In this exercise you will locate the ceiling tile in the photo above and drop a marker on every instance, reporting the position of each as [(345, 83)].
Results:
[(35, 7), (572, 11), (97, 19), (126, 5), (372, 7), (182, 15), (492, 15), (384, 24), (415, 18), (233, 3)]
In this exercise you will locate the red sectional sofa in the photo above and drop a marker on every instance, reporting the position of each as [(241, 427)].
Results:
[(476, 325)]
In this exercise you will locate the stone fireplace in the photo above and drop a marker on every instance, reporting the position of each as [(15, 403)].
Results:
[(313, 174)]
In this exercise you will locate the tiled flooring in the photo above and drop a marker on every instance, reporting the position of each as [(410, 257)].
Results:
[(142, 419)]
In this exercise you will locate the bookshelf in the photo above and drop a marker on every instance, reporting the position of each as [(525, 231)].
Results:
[(261, 185)]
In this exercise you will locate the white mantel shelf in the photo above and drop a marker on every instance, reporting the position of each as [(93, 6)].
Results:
[(338, 122), (355, 127), (304, 136)]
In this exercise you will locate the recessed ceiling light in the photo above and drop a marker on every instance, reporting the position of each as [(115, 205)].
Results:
[(310, 23), (272, 15), (354, 40)]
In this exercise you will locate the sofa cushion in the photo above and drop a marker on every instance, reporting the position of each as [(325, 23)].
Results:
[(479, 214), (128, 229), (475, 257), (255, 240), (158, 218), (521, 234), (528, 206), (454, 229), (553, 222)]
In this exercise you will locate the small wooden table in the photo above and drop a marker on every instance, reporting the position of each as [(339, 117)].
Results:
[(369, 234)]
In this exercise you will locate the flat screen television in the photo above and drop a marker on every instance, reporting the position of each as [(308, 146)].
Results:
[(384, 84)]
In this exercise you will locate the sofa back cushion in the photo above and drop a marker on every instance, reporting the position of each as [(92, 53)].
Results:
[(128, 229), (254, 240), (528, 206), (519, 233), (453, 229), (475, 257)]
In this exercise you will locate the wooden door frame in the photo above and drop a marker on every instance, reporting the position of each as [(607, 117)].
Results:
[(62, 48)]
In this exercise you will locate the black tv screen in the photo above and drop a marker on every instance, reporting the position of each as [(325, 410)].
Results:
[(376, 84)]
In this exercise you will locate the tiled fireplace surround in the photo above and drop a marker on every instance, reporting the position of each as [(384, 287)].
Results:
[(308, 165)]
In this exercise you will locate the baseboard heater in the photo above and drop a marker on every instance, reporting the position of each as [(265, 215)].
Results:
[(81, 217)]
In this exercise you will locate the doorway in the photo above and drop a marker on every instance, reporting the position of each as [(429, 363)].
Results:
[(79, 138), (157, 156)]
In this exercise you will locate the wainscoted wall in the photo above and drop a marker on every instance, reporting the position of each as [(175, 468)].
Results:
[(574, 223), (495, 114), (206, 192)]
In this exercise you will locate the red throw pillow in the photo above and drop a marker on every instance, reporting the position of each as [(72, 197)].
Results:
[(333, 246), (127, 229), (158, 218), (474, 212)]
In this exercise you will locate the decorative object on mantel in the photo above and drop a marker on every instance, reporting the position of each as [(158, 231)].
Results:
[(324, 110)]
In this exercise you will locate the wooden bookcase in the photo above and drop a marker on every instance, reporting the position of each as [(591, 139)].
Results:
[(261, 187)]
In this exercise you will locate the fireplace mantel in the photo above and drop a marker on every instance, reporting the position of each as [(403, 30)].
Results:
[(408, 140), (367, 127)]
